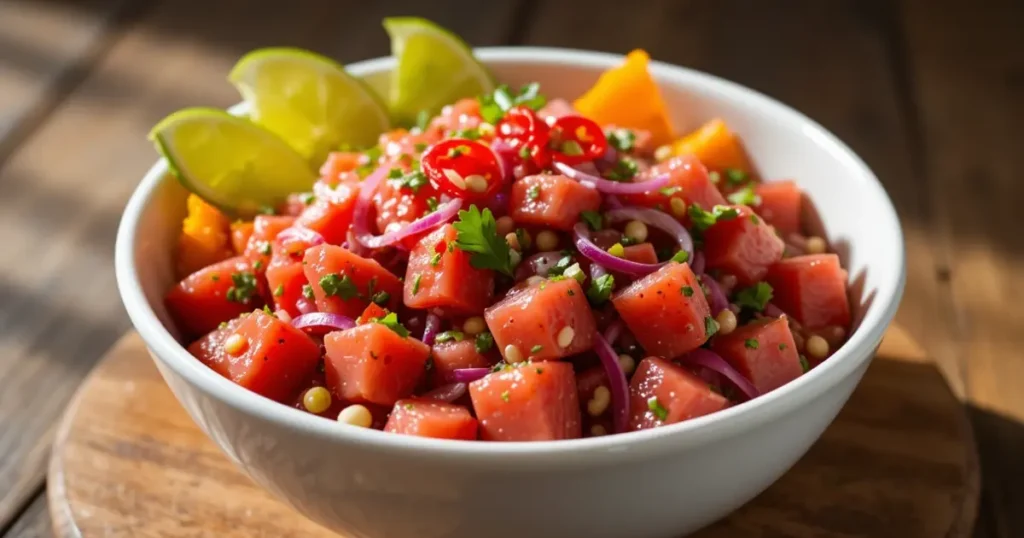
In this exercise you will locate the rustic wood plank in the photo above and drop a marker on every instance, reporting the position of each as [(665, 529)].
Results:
[(122, 465), (58, 215), (34, 522), (45, 49), (967, 64), (830, 60)]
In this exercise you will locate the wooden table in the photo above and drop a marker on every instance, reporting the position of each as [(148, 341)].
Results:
[(929, 92)]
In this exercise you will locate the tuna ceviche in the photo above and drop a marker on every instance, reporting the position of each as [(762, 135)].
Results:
[(514, 268)]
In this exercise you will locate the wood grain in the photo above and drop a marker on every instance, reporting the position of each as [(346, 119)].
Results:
[(128, 461), (35, 522), (968, 66), (62, 191)]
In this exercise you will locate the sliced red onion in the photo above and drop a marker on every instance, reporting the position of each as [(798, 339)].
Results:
[(716, 297), (612, 332), (613, 187), (713, 361), (322, 322), (446, 393), (612, 263), (506, 155), (444, 213), (613, 202), (597, 271), (617, 379), (361, 212), (283, 315), (698, 263), (430, 328), (305, 306), (299, 234), (658, 219), (538, 264), (467, 375)]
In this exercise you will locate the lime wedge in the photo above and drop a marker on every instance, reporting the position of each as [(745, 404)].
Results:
[(309, 100), (229, 161), (435, 68)]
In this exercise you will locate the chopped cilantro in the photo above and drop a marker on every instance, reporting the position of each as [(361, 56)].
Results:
[(560, 266), (601, 289), (468, 134), (477, 233), (243, 287), (431, 204), (268, 311), (416, 284), (450, 336), (745, 196), (335, 285), (435, 260), (804, 364), (307, 291), (395, 173), (524, 152), (423, 120), (593, 219), (368, 161), (391, 321), (751, 343), (627, 241), (267, 210), (539, 371), (622, 139), (533, 192), (736, 176), (702, 220), (536, 349), (715, 177), (420, 146), (412, 180), (505, 396), (755, 297), (484, 342), (408, 406), (223, 325), (682, 256), (264, 248), (279, 290), (493, 106), (381, 298), (215, 278), (710, 326), (257, 265), (755, 220), (669, 191), (782, 347), (624, 169), (655, 407), (687, 291), (307, 198)]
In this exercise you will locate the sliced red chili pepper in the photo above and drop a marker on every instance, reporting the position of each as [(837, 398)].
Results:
[(462, 168), (575, 139), (524, 131)]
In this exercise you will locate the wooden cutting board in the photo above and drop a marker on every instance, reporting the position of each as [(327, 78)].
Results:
[(898, 461)]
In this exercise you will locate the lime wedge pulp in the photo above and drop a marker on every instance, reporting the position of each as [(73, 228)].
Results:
[(435, 68), (309, 100), (229, 161)]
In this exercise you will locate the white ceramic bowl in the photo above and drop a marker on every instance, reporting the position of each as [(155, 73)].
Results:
[(663, 482)]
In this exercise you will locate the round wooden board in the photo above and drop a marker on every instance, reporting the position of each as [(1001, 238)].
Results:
[(898, 461)]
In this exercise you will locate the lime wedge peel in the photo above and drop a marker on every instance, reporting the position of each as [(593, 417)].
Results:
[(435, 68), (309, 100), (229, 161)]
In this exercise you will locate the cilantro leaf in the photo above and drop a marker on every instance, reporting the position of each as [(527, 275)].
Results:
[(736, 176), (702, 220), (484, 342), (335, 285), (493, 106), (710, 326), (593, 219), (681, 257), (391, 321), (622, 139), (449, 336), (623, 170), (243, 287), (745, 196), (655, 407), (755, 297), (601, 288), (477, 233)]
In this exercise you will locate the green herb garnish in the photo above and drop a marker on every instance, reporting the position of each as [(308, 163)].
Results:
[(391, 321), (593, 220), (755, 297), (745, 196), (450, 336), (477, 233), (622, 139), (655, 407), (335, 285), (484, 342), (601, 289), (243, 287)]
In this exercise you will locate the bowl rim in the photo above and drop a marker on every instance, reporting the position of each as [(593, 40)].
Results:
[(588, 451)]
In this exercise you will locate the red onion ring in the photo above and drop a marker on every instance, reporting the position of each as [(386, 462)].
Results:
[(613, 202), (658, 219), (430, 328), (304, 306), (617, 381), (613, 187), (713, 361), (322, 322), (446, 393), (612, 332), (697, 264), (716, 297), (612, 263), (444, 213), (467, 375)]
